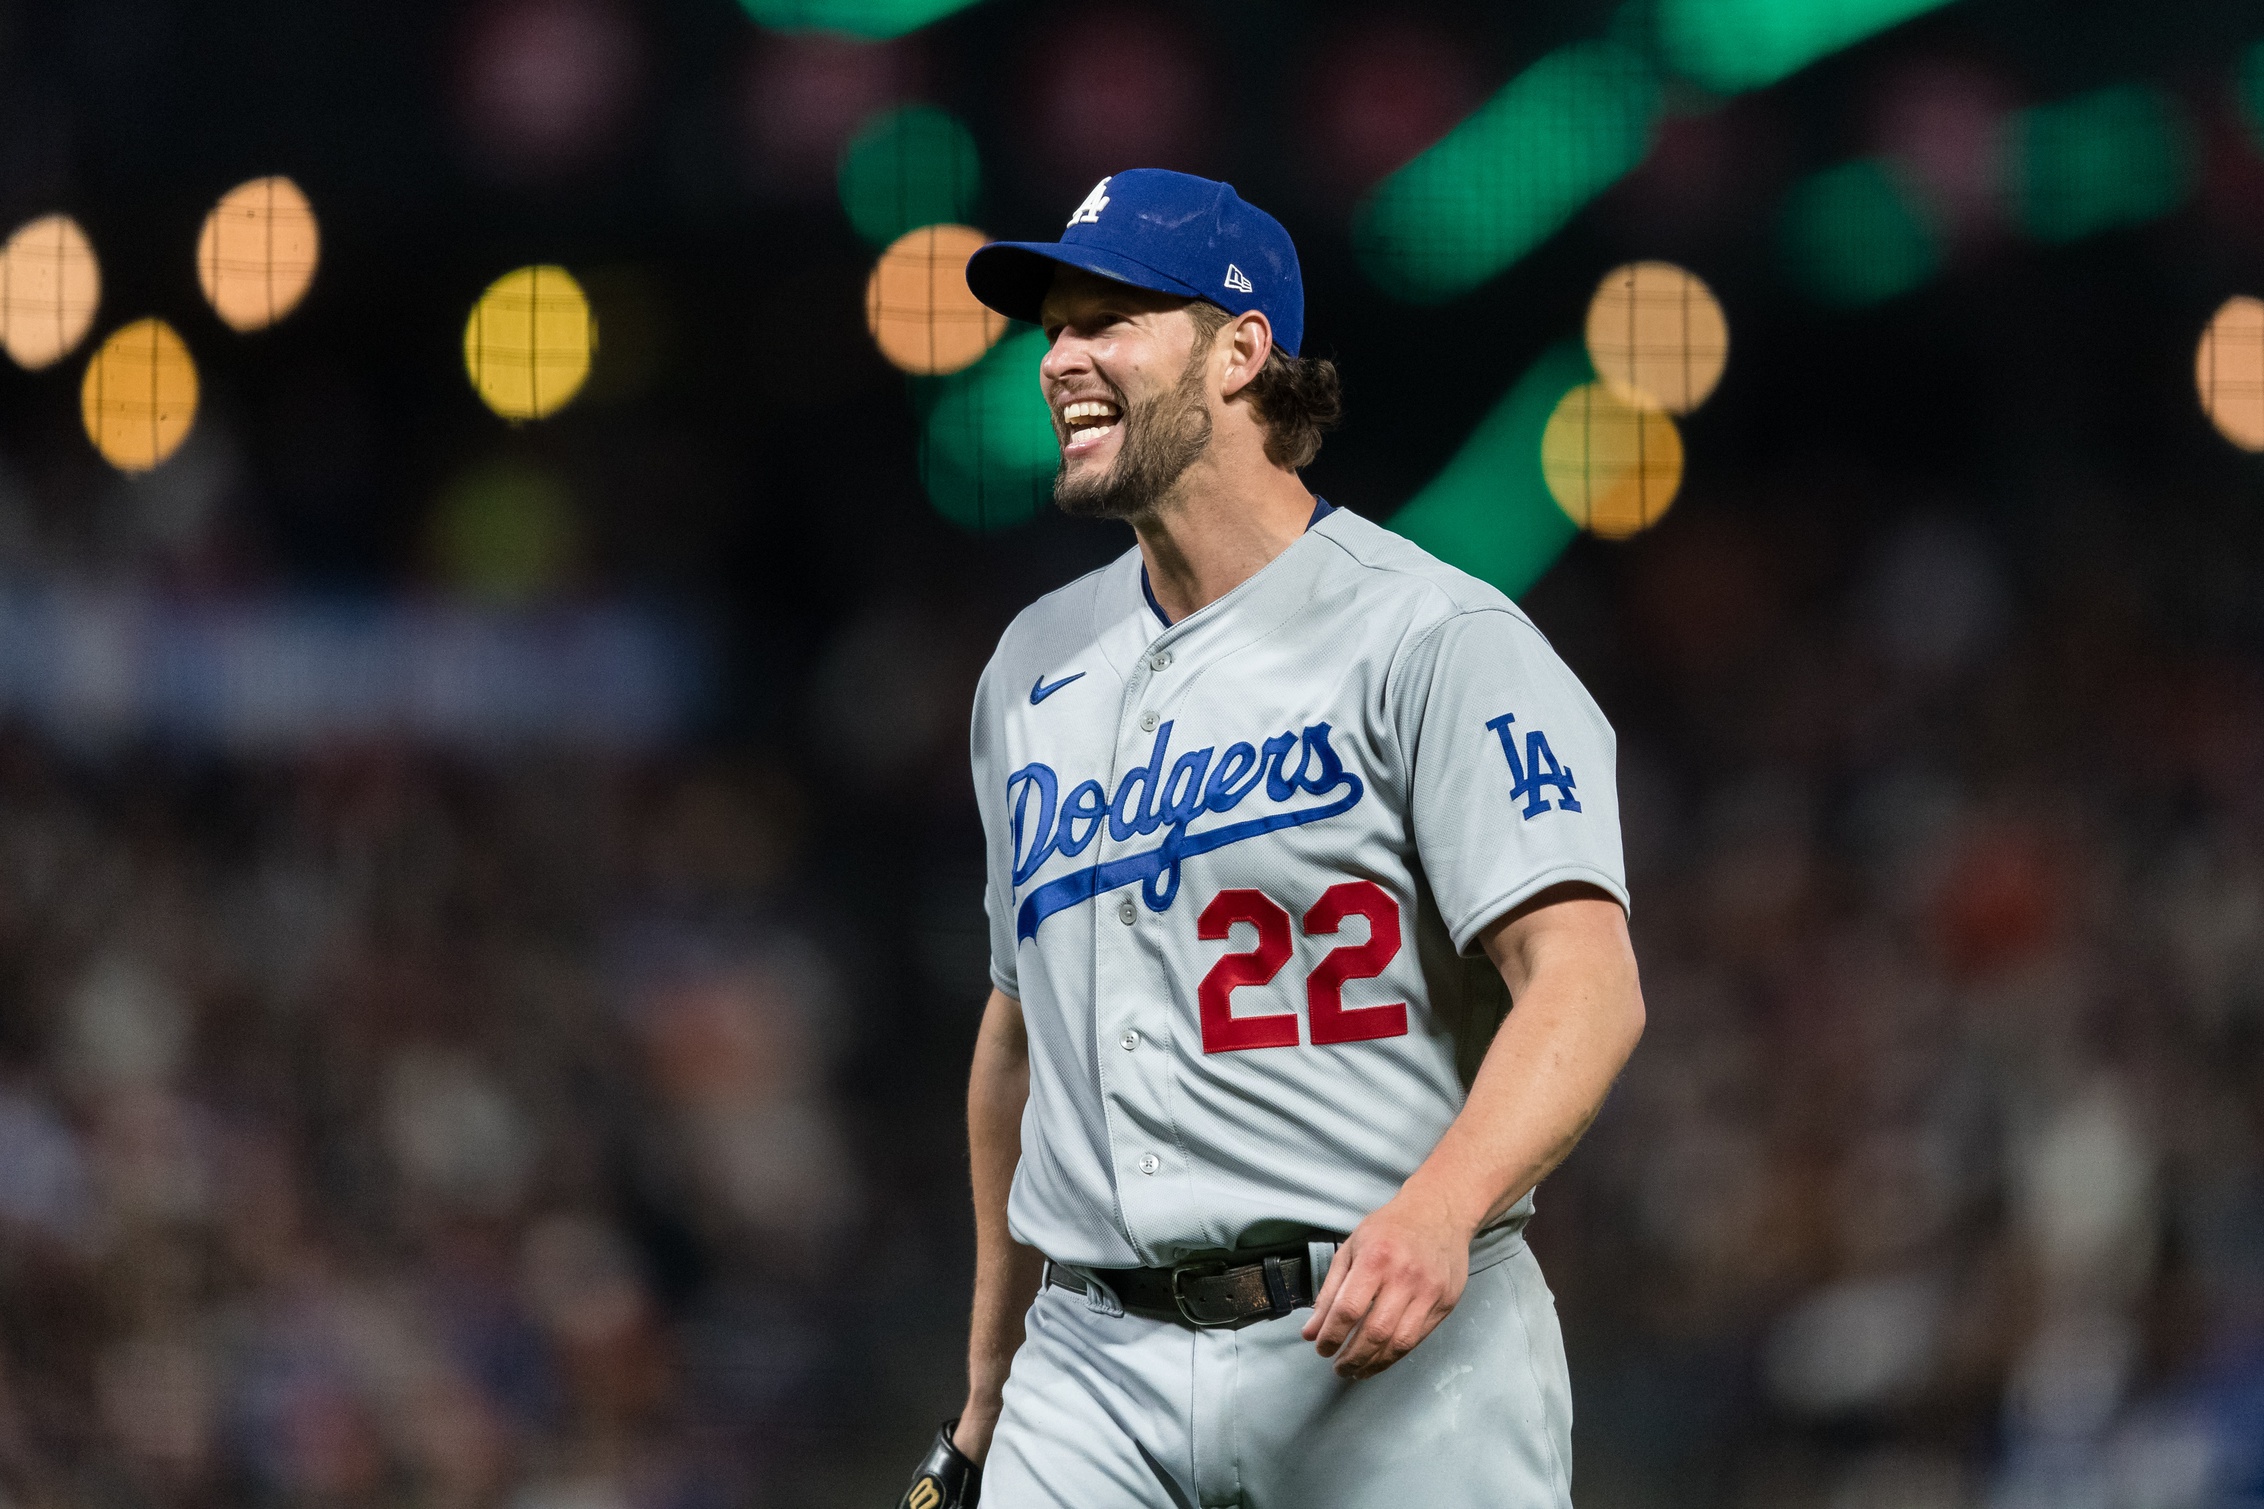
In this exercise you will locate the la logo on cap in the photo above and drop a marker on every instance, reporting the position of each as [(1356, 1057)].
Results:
[(1089, 213)]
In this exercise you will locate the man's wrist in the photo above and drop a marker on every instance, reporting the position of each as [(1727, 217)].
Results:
[(1463, 1210), (973, 1434)]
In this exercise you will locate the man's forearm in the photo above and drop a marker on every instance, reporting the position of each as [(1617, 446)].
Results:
[(1578, 1011), (1578, 1015), (1006, 1273)]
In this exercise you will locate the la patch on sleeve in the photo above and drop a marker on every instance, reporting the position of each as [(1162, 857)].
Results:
[(1537, 773)]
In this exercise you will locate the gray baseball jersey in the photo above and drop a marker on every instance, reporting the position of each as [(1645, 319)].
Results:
[(1237, 869)]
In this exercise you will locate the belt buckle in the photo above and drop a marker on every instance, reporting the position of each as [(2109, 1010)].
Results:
[(1210, 1268)]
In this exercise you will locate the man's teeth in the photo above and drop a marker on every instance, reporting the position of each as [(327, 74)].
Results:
[(1088, 410)]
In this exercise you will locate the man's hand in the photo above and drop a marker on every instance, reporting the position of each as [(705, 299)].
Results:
[(1395, 1278)]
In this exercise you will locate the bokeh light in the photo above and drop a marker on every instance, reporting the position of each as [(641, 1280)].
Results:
[(1611, 465), (2248, 89), (529, 341), (802, 96), (1942, 123), (1508, 177), (641, 333), (139, 399), (257, 252), (918, 306), (1148, 104), (1733, 45), (988, 452), (1657, 334), (504, 532), (546, 87), (1385, 88), (1489, 511), (2228, 369), (858, 18), (50, 284), (908, 168), (1855, 235), (2123, 155)]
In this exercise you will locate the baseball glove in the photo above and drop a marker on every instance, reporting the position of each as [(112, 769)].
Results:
[(946, 1479)]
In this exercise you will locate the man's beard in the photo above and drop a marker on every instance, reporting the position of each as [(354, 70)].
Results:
[(1163, 436)]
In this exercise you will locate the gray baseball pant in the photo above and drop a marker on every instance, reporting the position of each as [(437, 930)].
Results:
[(1106, 1410)]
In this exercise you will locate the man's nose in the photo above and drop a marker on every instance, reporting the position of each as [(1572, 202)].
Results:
[(1065, 358)]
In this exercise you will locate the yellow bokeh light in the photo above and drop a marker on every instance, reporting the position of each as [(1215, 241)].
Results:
[(1656, 333), (919, 308), (1611, 465), (140, 396), (2229, 370), (257, 252), (50, 284), (529, 341)]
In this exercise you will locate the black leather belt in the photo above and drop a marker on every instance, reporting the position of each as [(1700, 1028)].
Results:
[(1230, 1289)]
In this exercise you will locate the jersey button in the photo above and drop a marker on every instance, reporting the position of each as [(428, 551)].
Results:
[(1130, 1040), (1160, 660), (1148, 722), (1149, 1163), (1126, 912)]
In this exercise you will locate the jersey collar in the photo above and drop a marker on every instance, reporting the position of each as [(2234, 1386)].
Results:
[(1322, 508)]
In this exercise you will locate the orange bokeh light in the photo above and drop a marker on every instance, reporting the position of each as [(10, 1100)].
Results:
[(1656, 333), (257, 252), (2228, 369), (1611, 465), (50, 284), (918, 306)]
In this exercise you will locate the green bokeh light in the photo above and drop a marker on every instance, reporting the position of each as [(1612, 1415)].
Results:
[(505, 532), (907, 168), (875, 19), (1489, 512), (1506, 178), (2249, 88), (2122, 155), (1856, 235), (1733, 45), (987, 449)]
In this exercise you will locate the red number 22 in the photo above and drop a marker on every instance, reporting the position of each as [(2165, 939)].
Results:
[(1332, 1020)]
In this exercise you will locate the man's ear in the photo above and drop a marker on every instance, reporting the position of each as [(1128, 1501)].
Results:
[(1248, 342)]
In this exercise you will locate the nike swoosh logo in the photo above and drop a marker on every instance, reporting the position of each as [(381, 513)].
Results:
[(1039, 691)]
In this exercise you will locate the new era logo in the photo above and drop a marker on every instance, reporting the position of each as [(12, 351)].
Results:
[(1089, 213), (1235, 280)]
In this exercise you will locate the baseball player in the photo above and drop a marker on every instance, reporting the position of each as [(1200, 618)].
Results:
[(1308, 940)]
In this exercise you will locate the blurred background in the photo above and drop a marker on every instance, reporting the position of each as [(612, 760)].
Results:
[(502, 505)]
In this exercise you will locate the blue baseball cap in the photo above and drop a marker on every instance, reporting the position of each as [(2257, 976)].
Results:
[(1170, 232)]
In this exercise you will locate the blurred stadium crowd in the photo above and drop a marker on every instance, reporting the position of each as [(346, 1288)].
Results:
[(580, 1131), (381, 1129)]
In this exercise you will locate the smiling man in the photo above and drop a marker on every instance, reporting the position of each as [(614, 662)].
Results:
[(1309, 950)]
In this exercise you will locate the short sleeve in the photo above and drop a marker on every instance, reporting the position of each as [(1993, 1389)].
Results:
[(1510, 770), (998, 864)]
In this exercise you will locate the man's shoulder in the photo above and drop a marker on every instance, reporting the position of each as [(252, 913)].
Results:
[(1389, 573), (1062, 622), (1070, 614)]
